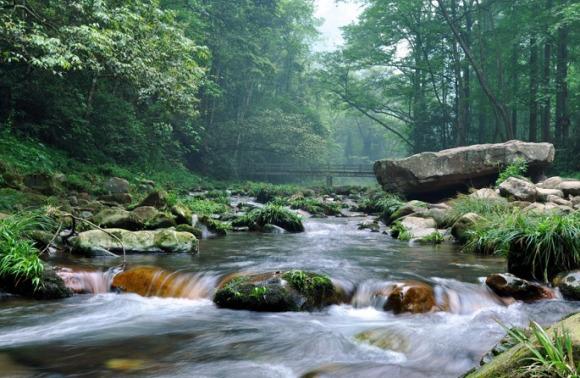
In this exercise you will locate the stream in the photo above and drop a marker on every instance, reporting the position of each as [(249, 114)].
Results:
[(108, 334)]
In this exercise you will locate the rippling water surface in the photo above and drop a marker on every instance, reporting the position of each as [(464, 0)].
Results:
[(111, 334)]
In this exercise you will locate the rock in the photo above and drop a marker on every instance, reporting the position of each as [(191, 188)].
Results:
[(569, 284), (419, 227), (116, 185), (544, 193), (485, 193), (540, 208), (152, 219), (409, 208), (558, 200), (183, 215), (414, 297), (575, 200), (570, 187), (372, 226), (3, 216), (42, 183), (116, 217), (97, 242), (157, 199), (271, 229), (435, 174), (511, 363), (150, 281), (289, 291), (518, 189), (117, 198), (52, 286), (385, 338), (466, 222), (551, 183), (188, 228), (508, 285)]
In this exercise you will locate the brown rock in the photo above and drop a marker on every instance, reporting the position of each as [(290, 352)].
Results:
[(414, 297), (508, 285)]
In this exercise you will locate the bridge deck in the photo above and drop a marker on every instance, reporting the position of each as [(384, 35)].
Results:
[(337, 170)]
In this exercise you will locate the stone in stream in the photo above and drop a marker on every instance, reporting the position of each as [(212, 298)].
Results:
[(52, 286), (97, 242), (293, 290), (152, 281), (461, 227), (508, 285), (411, 296), (438, 174), (385, 338), (140, 218)]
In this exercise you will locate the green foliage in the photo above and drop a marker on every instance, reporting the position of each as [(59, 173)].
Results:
[(543, 242), (399, 231), (552, 356), (202, 206), (433, 238), (486, 207), (384, 204), (271, 214), (19, 258), (517, 168), (315, 206)]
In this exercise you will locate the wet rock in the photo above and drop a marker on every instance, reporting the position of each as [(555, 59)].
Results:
[(518, 189), (52, 286), (445, 172), (188, 228), (97, 242), (419, 227), (42, 183), (414, 297), (485, 193), (385, 338), (157, 199), (460, 229), (272, 229), (289, 291), (569, 284), (116, 217), (508, 285), (409, 208), (116, 185), (150, 281), (183, 215)]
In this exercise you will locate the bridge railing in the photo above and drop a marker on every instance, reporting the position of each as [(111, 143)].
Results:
[(312, 170)]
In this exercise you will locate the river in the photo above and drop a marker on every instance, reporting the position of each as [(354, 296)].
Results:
[(108, 334)]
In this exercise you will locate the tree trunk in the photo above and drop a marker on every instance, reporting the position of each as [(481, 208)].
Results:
[(546, 103), (533, 125), (562, 116)]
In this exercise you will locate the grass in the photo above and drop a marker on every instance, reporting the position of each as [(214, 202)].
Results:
[(551, 356), (201, 206), (546, 244), (384, 204), (19, 259), (315, 206), (517, 168), (271, 214), (486, 207), (399, 231), (433, 238), (311, 285)]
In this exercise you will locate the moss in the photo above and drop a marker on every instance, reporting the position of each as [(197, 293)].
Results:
[(316, 207), (215, 226), (15, 200), (241, 294), (315, 287), (433, 238), (271, 214)]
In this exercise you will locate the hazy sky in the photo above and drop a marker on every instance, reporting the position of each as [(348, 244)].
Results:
[(334, 16)]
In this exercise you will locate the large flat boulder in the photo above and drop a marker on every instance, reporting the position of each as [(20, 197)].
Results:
[(435, 174)]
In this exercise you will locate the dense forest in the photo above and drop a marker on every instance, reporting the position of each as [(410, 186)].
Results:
[(221, 85)]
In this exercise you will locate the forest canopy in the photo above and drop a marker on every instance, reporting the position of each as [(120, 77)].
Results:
[(221, 85)]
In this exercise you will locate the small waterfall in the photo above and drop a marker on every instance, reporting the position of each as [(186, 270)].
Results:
[(86, 282), (450, 295)]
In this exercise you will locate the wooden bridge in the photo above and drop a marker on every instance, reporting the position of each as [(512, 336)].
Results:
[(324, 170)]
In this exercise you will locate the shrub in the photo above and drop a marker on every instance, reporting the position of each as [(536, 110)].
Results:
[(201, 206), (539, 245), (384, 204), (551, 356), (19, 259), (271, 214), (399, 231), (517, 168)]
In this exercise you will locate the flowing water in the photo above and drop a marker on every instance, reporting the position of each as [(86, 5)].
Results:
[(108, 334)]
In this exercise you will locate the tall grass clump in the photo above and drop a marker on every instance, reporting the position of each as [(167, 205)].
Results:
[(271, 214), (19, 258), (486, 207), (517, 168), (538, 246), (315, 206), (384, 204), (550, 356)]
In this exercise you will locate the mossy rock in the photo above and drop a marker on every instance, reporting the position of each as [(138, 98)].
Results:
[(51, 286), (116, 217), (294, 290)]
